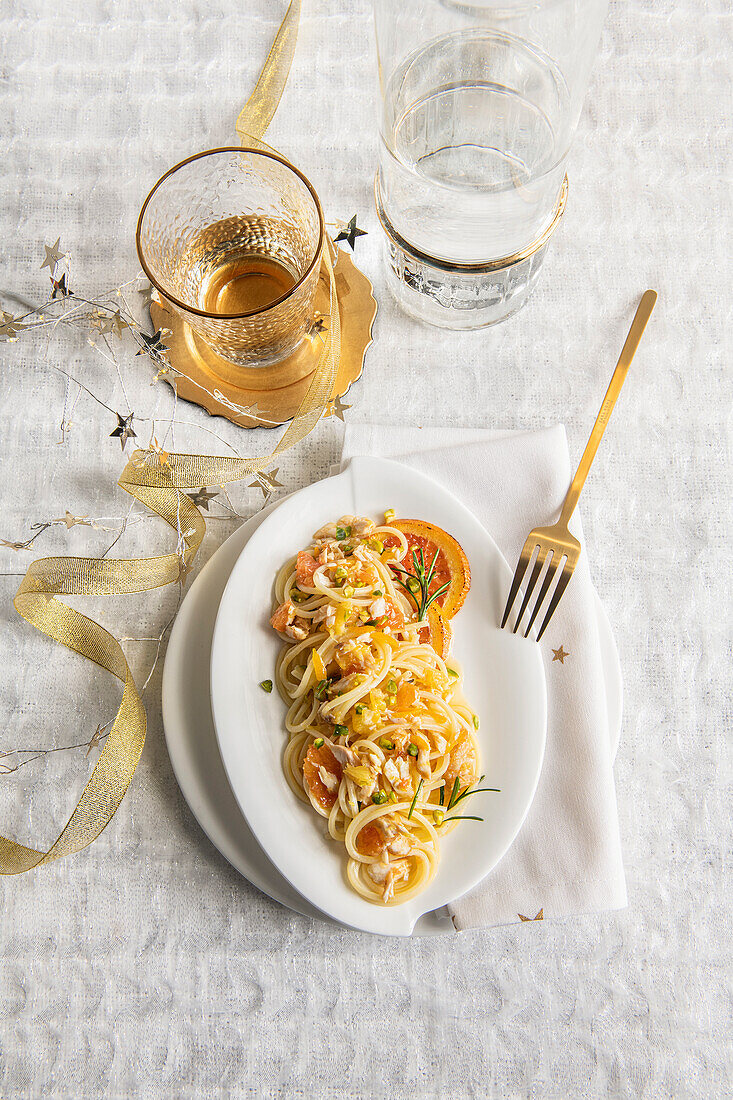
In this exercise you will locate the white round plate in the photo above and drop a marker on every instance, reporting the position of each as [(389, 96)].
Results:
[(194, 752), (504, 682)]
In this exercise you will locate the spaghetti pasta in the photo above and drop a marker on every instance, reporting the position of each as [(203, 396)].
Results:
[(381, 741)]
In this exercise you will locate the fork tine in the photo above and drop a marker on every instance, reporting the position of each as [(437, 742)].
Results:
[(546, 582), (518, 574), (536, 570), (562, 584)]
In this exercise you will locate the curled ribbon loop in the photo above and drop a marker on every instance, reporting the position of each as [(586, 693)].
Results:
[(161, 489)]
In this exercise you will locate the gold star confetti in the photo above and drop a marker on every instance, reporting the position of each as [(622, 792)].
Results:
[(60, 289), (266, 482), (124, 429), (96, 739), (336, 408), (9, 326), (271, 478), (155, 448), (559, 655), (146, 294), (540, 916), (53, 256), (317, 326), (153, 344), (183, 570), (202, 498), (118, 322), (73, 521), (350, 233)]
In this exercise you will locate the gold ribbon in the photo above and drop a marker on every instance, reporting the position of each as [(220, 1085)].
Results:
[(159, 484)]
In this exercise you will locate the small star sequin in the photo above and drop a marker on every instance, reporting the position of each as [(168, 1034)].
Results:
[(540, 916), (155, 448), (146, 294), (337, 408), (317, 327), (350, 233), (559, 655), (202, 498), (266, 482), (153, 344), (73, 521), (53, 255), (183, 570), (96, 739), (124, 429), (9, 326), (60, 289)]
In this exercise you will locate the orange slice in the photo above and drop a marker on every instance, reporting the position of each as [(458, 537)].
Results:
[(440, 631), (451, 566)]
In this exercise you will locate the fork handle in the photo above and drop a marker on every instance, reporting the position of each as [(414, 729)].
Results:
[(643, 313)]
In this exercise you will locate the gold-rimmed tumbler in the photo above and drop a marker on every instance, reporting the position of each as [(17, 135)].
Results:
[(232, 239)]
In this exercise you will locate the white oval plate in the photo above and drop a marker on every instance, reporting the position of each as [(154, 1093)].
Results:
[(504, 681)]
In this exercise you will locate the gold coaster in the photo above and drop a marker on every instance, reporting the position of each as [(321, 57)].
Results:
[(256, 397)]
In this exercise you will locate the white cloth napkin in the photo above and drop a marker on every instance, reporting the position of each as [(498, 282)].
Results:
[(567, 857)]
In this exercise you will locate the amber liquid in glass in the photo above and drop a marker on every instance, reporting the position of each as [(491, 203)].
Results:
[(247, 281)]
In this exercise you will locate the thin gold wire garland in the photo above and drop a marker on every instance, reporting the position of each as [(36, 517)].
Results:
[(159, 486)]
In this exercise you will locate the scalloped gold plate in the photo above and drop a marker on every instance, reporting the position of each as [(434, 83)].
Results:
[(255, 397)]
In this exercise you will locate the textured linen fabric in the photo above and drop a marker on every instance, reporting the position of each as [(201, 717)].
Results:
[(567, 857), (145, 966)]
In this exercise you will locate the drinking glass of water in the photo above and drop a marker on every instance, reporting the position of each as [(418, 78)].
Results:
[(479, 104)]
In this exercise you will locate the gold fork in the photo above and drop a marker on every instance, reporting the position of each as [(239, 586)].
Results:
[(555, 543)]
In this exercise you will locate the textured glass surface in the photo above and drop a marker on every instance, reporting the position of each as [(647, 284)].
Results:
[(215, 209)]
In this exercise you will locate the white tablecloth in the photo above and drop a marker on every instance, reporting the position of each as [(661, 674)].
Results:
[(145, 966)]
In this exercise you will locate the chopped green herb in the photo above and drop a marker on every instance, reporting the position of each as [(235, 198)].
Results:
[(412, 749), (348, 591), (347, 549), (454, 792), (475, 721), (318, 743), (348, 532), (441, 794), (462, 817), (266, 685), (391, 686), (321, 688), (341, 573), (452, 672), (377, 592), (370, 622), (412, 804), (438, 816), (360, 708), (340, 533), (341, 731), (379, 797), (392, 796), (385, 743), (298, 597)]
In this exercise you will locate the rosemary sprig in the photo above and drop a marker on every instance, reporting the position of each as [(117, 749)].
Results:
[(417, 584), (457, 796)]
